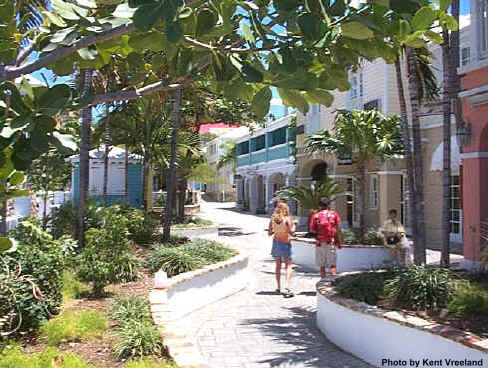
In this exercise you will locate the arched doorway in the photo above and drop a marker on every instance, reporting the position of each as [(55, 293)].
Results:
[(319, 171)]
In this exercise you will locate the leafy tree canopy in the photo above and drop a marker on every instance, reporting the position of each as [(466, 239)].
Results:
[(242, 48)]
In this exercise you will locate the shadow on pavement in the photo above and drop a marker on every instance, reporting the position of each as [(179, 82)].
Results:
[(307, 347), (233, 231), (268, 293)]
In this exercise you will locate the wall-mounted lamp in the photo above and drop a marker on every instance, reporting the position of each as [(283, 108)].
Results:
[(464, 133)]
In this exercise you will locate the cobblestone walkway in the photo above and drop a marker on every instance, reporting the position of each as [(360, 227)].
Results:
[(257, 327)]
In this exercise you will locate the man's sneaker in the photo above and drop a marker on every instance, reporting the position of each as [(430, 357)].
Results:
[(288, 293)]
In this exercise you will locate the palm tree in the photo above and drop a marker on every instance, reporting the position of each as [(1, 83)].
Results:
[(366, 135), (230, 156), (309, 196)]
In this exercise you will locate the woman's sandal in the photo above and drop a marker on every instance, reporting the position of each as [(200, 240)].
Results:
[(278, 291), (288, 293)]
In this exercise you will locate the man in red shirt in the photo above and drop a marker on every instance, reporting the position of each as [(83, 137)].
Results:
[(326, 224)]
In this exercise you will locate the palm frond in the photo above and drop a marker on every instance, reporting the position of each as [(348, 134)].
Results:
[(309, 197)]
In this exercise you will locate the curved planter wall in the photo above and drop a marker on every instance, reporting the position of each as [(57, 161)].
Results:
[(190, 291), (210, 233), (393, 339), (349, 258)]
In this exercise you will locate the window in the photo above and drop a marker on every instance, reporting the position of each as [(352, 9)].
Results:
[(356, 86), (352, 203), (482, 30), (258, 143), (465, 54), (243, 148), (456, 211), (278, 136), (373, 192), (372, 105)]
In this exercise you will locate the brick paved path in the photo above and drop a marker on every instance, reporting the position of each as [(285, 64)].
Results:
[(257, 327)]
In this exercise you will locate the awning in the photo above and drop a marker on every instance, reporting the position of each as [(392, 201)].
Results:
[(437, 163)]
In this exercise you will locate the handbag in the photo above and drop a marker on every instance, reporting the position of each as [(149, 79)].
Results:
[(393, 239)]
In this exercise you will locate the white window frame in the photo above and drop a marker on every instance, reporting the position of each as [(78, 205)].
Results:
[(356, 86), (456, 237), (373, 192), (482, 29), (465, 56)]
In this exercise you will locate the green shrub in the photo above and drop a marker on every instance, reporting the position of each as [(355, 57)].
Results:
[(73, 326), (64, 220), (148, 363), (420, 288), (190, 222), (173, 260), (14, 357), (137, 338), (469, 298), (365, 287), (106, 257), (130, 307), (142, 226), (31, 278), (373, 237), (72, 288), (210, 251), (350, 236)]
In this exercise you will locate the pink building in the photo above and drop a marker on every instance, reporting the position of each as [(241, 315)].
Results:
[(474, 135)]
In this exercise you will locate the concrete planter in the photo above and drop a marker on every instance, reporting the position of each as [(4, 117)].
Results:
[(349, 258), (394, 339), (190, 291), (210, 233)]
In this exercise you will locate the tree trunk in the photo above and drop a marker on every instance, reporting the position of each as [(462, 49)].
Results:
[(148, 188), (126, 175), (446, 173), (86, 117), (408, 150), (182, 197), (455, 80), (44, 211), (107, 151), (4, 204), (418, 203), (362, 199), (172, 161)]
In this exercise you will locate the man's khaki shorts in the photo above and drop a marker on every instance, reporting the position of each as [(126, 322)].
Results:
[(325, 255)]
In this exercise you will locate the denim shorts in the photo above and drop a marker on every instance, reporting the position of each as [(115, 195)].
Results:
[(281, 250)]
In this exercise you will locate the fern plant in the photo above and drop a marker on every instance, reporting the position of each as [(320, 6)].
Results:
[(309, 197)]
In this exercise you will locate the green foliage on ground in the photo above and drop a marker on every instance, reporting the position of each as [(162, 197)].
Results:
[(137, 338), (187, 257), (130, 307), (189, 222), (106, 257), (78, 325), (142, 226), (371, 237), (420, 288), (136, 335), (72, 288), (149, 363), (14, 357), (469, 298), (365, 287), (31, 278)]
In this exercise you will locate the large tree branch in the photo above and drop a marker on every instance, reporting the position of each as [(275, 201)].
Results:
[(135, 94), (24, 53), (10, 72), (226, 49)]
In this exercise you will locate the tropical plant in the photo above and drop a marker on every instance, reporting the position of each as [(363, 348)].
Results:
[(31, 279), (130, 307), (138, 338), (48, 173), (469, 298), (230, 156), (365, 287), (173, 260), (366, 135), (107, 258), (420, 288), (309, 197), (142, 226)]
